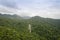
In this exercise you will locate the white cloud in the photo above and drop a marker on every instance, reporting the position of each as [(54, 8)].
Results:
[(7, 10), (44, 8), (46, 12)]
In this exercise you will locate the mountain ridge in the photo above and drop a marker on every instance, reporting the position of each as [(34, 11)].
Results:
[(41, 28)]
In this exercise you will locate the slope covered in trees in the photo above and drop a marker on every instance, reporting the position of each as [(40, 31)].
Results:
[(42, 28)]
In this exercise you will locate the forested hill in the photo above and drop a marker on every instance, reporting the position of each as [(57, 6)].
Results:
[(14, 27)]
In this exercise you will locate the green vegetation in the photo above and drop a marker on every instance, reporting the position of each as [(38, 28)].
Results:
[(13, 27)]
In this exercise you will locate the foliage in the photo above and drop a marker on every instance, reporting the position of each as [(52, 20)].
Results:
[(13, 27)]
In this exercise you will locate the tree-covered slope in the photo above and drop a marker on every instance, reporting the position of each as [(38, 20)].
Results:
[(44, 28), (41, 28)]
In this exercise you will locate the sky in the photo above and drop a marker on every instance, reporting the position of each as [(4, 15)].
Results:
[(43, 8)]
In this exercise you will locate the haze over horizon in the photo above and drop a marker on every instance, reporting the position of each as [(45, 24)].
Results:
[(43, 8)]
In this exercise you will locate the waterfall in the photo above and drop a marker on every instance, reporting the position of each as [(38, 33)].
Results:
[(29, 28)]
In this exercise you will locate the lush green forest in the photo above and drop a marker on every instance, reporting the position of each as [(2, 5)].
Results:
[(14, 27)]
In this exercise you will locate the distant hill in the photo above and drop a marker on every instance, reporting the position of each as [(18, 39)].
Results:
[(26, 17), (10, 16), (41, 28)]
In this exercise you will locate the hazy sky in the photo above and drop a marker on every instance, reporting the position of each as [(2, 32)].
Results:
[(44, 8)]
